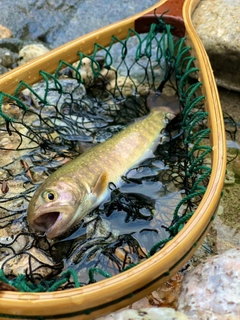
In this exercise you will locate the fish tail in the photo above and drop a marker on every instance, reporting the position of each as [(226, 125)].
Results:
[(169, 104)]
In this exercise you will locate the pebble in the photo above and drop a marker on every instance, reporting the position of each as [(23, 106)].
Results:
[(71, 89), (7, 58), (212, 290), (5, 32), (19, 264), (85, 69), (122, 86), (17, 243), (31, 51), (115, 83), (146, 314)]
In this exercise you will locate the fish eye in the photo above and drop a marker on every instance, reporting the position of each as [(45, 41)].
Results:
[(49, 196)]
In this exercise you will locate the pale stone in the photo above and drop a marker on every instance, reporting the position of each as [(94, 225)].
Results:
[(122, 86), (212, 289), (5, 32), (146, 314), (85, 69), (31, 51), (218, 26), (19, 264)]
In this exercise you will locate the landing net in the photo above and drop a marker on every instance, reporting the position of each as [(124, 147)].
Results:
[(51, 122)]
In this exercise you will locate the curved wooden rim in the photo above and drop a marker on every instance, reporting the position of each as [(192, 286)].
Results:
[(95, 297)]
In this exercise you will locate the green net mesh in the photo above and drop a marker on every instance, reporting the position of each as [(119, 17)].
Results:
[(51, 122)]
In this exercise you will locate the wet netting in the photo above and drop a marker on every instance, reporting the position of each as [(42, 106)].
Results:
[(45, 125)]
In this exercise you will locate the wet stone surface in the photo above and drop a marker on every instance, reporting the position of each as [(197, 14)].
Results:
[(211, 290), (57, 22), (217, 23)]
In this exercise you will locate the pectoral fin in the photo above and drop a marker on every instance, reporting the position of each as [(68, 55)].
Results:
[(101, 185)]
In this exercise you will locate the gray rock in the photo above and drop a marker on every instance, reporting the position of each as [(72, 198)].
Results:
[(9, 49), (57, 22), (217, 23), (7, 57), (3, 69), (12, 44), (71, 90)]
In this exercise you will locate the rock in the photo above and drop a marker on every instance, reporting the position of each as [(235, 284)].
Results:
[(86, 69), (12, 242), (5, 32), (212, 289), (12, 110), (143, 89), (122, 86), (19, 264), (17, 243), (218, 25), (7, 57), (9, 48), (160, 304), (167, 294), (108, 75), (31, 51), (146, 314), (71, 90), (13, 44), (3, 70), (57, 22)]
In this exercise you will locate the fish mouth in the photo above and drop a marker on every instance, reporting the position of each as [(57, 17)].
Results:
[(46, 222)]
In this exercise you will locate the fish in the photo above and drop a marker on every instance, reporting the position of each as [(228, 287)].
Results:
[(70, 193)]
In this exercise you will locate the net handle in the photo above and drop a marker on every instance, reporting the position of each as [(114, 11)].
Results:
[(173, 15)]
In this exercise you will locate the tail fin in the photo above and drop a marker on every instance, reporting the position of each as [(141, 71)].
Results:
[(169, 103)]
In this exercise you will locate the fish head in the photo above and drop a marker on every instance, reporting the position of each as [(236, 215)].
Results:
[(58, 206)]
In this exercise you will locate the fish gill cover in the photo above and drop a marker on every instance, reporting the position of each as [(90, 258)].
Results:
[(45, 125)]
